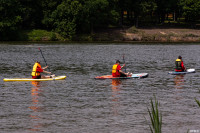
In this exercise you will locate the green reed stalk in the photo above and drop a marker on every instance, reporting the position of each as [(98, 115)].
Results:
[(156, 118), (197, 102)]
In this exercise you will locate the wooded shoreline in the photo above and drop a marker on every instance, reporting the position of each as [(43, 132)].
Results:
[(98, 20), (130, 34)]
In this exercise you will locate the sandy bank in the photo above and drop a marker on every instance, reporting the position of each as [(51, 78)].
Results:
[(152, 35)]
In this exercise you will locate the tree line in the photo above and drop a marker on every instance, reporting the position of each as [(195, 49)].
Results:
[(72, 17)]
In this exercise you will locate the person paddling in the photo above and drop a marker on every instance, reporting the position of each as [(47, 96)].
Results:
[(37, 70), (179, 66), (117, 72)]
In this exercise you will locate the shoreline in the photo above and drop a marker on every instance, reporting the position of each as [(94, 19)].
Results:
[(118, 35), (157, 35), (84, 42)]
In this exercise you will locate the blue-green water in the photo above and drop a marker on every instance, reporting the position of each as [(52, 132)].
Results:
[(81, 104)]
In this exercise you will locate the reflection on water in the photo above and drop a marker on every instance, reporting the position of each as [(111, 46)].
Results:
[(115, 95), (35, 107), (179, 81)]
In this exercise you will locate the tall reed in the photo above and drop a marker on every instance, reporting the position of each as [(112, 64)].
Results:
[(156, 117), (197, 102)]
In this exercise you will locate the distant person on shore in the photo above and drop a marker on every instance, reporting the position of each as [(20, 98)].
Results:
[(179, 66), (117, 72), (37, 70)]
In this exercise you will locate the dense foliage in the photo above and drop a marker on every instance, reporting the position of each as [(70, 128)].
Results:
[(72, 17)]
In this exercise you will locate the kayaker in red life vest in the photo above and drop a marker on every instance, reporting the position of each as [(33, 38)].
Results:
[(179, 65), (37, 69), (116, 70)]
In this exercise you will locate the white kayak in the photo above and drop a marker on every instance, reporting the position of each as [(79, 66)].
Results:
[(185, 72), (30, 79)]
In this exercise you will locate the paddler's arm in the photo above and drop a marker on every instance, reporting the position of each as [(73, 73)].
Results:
[(43, 71), (123, 72), (46, 72), (123, 65), (183, 67), (45, 67)]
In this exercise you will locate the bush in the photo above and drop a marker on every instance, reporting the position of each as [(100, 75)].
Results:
[(41, 35), (191, 35), (53, 37), (133, 29)]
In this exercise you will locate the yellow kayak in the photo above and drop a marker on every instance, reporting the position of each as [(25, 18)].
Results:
[(30, 79)]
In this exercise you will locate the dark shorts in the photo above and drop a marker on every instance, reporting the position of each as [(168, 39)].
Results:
[(122, 75), (36, 77)]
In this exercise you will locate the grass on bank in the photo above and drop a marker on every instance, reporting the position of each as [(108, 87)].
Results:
[(113, 34), (42, 35)]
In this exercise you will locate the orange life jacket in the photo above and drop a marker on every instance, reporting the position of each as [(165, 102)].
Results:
[(34, 71)]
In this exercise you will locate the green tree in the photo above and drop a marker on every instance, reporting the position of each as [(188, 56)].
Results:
[(191, 9), (146, 11), (65, 18), (48, 6), (113, 17), (161, 10), (10, 19), (32, 13), (137, 11), (95, 14)]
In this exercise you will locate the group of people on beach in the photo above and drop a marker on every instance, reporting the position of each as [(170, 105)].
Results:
[(116, 69)]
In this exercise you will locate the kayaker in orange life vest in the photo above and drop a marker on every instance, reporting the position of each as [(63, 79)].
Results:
[(37, 70), (117, 72), (179, 66)]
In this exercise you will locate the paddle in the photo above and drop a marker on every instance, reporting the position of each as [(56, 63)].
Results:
[(44, 59), (124, 63)]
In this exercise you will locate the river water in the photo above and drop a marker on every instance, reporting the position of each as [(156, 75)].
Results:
[(81, 104)]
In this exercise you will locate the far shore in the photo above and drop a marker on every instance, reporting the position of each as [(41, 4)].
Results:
[(131, 34), (149, 35)]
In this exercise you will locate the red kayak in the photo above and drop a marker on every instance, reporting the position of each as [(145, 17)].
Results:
[(138, 75)]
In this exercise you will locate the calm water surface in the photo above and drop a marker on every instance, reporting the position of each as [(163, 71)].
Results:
[(81, 104)]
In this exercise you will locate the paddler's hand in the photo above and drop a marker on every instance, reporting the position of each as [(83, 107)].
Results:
[(128, 74), (124, 65), (53, 75)]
